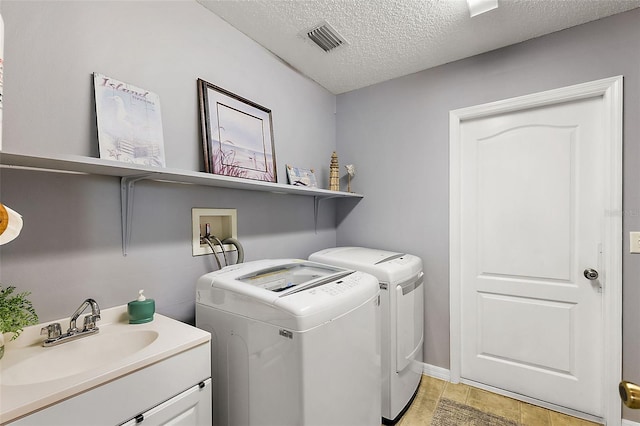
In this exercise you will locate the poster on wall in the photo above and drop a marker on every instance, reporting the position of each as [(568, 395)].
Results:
[(237, 136), (129, 122)]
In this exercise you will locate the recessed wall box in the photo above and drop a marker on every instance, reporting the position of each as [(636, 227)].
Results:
[(634, 240), (223, 223)]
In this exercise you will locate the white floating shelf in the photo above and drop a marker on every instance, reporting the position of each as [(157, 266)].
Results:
[(129, 174), (99, 166)]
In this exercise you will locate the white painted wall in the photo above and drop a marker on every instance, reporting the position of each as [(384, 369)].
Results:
[(70, 246), (396, 133)]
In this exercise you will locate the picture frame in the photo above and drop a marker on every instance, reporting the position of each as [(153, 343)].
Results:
[(237, 135), (301, 177)]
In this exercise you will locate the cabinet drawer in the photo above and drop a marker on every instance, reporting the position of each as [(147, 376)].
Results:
[(190, 408)]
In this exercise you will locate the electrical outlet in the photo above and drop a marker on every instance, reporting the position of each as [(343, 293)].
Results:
[(222, 224), (634, 239)]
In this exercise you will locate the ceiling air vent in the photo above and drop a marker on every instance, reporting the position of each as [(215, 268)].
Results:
[(325, 36)]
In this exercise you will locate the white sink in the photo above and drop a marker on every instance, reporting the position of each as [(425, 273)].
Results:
[(77, 356)]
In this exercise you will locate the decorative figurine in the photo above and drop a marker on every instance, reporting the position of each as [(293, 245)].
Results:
[(351, 172), (334, 173)]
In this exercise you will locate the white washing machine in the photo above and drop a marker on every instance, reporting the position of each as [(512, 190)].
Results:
[(293, 343), (402, 300)]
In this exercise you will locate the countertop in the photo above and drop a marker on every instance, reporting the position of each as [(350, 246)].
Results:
[(28, 393)]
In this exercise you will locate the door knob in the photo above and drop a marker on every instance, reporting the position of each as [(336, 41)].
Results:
[(591, 274), (630, 394)]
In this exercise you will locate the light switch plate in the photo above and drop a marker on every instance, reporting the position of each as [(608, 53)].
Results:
[(634, 239)]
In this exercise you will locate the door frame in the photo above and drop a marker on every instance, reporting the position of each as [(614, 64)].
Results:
[(611, 91)]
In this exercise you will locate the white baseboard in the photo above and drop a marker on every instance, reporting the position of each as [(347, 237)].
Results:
[(626, 422), (437, 372)]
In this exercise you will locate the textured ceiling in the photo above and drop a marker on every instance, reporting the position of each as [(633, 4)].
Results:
[(391, 38)]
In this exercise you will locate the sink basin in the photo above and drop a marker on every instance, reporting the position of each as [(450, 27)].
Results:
[(75, 357)]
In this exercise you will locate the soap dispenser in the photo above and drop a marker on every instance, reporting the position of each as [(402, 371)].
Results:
[(141, 310)]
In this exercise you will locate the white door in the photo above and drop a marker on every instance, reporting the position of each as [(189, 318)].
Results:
[(533, 203)]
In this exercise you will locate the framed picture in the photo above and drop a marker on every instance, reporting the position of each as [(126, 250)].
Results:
[(237, 135), (301, 177)]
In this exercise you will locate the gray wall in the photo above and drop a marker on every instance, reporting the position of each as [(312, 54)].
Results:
[(397, 135), (70, 247)]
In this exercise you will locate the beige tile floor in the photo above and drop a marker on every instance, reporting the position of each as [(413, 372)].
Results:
[(431, 390)]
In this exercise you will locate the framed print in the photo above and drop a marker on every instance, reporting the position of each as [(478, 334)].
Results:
[(237, 135), (129, 122), (301, 177)]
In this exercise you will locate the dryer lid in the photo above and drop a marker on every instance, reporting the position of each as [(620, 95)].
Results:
[(387, 266), (360, 255)]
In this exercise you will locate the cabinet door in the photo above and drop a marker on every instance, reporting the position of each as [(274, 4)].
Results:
[(189, 408)]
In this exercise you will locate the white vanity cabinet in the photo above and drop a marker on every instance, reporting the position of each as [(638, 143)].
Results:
[(176, 390)]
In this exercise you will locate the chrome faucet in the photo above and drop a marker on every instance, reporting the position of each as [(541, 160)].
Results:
[(89, 320), (54, 331)]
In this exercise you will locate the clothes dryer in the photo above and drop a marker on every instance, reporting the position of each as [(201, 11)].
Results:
[(293, 343), (402, 318)]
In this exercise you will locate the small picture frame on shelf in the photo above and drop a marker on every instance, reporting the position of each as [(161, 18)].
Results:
[(237, 135), (301, 177)]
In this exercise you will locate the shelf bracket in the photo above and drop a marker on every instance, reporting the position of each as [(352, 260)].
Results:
[(127, 185), (316, 208)]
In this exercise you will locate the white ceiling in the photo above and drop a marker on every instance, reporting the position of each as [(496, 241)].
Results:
[(391, 38)]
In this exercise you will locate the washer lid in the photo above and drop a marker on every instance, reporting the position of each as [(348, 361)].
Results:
[(288, 278), (291, 293)]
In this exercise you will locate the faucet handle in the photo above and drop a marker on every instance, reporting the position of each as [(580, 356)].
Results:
[(90, 321), (52, 330)]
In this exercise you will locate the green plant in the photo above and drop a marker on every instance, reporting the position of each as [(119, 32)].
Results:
[(16, 311)]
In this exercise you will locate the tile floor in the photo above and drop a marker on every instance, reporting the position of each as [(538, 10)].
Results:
[(431, 390)]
